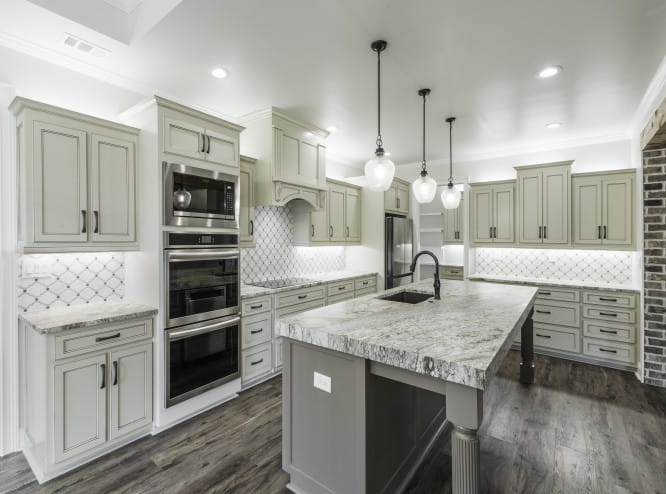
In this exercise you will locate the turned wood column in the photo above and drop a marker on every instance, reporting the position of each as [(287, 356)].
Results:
[(527, 350), (464, 410)]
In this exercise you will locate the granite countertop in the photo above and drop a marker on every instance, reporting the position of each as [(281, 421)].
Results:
[(82, 316), (559, 283), (461, 338), (249, 291)]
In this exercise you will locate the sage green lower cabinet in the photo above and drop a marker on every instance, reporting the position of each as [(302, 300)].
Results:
[(84, 393), (588, 325), (261, 346)]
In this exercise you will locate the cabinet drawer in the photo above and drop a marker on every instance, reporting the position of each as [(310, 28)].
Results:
[(256, 361), (611, 299), (364, 283), (550, 337), (612, 331), (609, 350), (340, 287), (619, 315), (452, 272), (340, 298), (562, 313), (563, 294), (256, 305), (256, 329), (277, 353), (293, 297), (73, 344), (295, 309), (366, 291)]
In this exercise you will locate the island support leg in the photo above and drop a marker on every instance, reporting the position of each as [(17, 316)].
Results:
[(464, 410), (527, 351)]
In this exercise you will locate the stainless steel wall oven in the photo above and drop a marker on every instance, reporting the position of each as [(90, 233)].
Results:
[(199, 197)]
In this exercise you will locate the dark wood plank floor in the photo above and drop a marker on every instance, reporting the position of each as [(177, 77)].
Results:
[(580, 429)]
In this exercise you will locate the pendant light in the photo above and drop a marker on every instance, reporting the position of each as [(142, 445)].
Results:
[(451, 195), (424, 187), (379, 170)]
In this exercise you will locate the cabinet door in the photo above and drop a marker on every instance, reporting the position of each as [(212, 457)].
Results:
[(336, 213), (353, 215), (246, 212), (60, 184), (617, 210), (450, 225), (308, 169), (130, 389), (402, 193), (112, 189), (319, 225), (482, 214), (503, 214), (289, 157), (80, 406), (391, 198), (587, 210), (530, 224), (461, 219), (183, 138), (556, 206), (221, 148)]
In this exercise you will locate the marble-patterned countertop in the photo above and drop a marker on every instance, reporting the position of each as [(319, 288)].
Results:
[(558, 283), (249, 291), (82, 316), (461, 338)]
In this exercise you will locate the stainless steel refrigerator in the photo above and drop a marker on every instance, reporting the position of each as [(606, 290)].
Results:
[(398, 250)]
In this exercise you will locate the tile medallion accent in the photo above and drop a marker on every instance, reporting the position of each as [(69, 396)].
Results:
[(72, 279), (275, 257), (611, 267)]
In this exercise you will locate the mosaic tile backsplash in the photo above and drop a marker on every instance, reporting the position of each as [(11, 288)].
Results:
[(566, 265), (275, 257), (71, 279)]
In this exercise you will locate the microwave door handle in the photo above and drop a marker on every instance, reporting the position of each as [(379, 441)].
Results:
[(186, 333)]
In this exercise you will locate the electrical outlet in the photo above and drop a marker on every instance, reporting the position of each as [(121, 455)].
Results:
[(36, 268), (322, 382)]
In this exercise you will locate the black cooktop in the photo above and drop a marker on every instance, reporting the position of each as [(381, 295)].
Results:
[(282, 283)]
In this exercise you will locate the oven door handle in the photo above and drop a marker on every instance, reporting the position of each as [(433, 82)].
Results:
[(201, 256), (186, 333)]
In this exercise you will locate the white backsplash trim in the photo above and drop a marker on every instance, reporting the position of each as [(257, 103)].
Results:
[(275, 257), (595, 266), (72, 279)]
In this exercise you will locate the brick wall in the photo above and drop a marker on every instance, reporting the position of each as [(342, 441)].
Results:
[(654, 259)]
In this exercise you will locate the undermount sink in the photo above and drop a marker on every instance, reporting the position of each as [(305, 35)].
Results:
[(407, 297)]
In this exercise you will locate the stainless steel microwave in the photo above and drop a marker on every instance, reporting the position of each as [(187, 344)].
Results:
[(199, 197)]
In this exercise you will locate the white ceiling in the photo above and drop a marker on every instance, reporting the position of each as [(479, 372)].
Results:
[(312, 59)]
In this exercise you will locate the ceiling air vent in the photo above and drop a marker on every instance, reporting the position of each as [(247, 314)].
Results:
[(85, 47)]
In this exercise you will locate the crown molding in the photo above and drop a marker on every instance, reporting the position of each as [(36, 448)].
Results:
[(653, 96)]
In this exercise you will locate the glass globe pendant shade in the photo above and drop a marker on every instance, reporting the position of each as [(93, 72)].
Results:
[(379, 172), (450, 197), (424, 189)]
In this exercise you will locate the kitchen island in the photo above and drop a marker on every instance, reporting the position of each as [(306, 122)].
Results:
[(369, 383)]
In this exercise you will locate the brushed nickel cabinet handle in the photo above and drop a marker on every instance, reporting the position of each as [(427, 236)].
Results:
[(115, 373), (545, 232), (96, 216), (607, 351), (312, 230), (542, 311), (257, 362), (609, 314), (256, 306), (84, 229), (607, 331), (539, 232), (301, 297), (605, 232), (251, 227), (608, 299), (599, 232), (203, 143), (257, 331), (103, 366), (542, 335), (104, 338)]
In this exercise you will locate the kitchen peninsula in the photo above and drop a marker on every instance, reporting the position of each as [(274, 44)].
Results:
[(370, 383)]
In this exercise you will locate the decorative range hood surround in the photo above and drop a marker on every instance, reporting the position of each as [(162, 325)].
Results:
[(291, 158)]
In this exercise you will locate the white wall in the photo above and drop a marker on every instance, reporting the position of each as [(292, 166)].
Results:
[(8, 309), (610, 155)]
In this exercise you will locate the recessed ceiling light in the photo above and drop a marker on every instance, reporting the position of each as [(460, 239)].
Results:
[(219, 73), (550, 71), (308, 134), (554, 125), (331, 128)]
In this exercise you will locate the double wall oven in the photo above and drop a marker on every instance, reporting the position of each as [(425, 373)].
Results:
[(202, 302)]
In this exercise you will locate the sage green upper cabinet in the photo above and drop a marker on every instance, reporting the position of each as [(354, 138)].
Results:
[(396, 198), (338, 223), (76, 180), (201, 140), (291, 158), (543, 203), (492, 213), (603, 209), (454, 223), (246, 192)]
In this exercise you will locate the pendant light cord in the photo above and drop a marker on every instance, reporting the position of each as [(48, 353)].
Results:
[(423, 161), (450, 120), (379, 106)]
